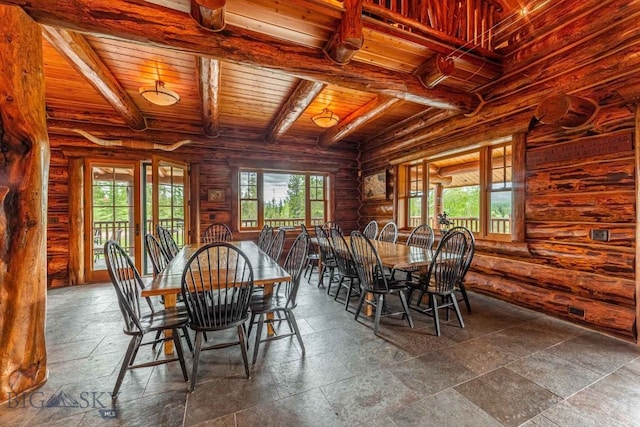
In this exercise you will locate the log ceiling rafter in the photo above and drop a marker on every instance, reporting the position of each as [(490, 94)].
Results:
[(83, 58), (209, 13), (160, 26), (374, 108), (209, 73), (301, 97), (348, 38)]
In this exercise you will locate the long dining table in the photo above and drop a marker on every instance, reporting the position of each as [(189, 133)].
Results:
[(168, 284)]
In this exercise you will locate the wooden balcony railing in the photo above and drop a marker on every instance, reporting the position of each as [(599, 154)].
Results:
[(497, 225), (470, 21), (281, 222), (121, 231)]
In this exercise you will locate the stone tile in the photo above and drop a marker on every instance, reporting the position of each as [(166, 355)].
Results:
[(214, 399), (448, 408), (369, 354), (479, 355), (305, 409), (71, 351), (368, 396), (623, 387), (431, 373), (224, 421), (507, 396), (414, 342), (308, 373), (555, 374), (590, 409), (539, 421), (525, 339), (597, 352)]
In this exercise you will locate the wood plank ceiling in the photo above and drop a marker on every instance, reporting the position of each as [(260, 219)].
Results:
[(273, 101)]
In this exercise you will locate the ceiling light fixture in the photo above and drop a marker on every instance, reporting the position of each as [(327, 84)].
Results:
[(325, 119), (159, 95)]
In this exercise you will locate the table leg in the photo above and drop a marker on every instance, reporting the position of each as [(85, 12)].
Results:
[(368, 308), (268, 292), (169, 302)]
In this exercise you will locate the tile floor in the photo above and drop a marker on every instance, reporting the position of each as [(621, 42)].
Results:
[(508, 366)]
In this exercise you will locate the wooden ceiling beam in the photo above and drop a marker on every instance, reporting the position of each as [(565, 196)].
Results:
[(374, 108), (81, 56), (209, 13), (208, 74), (160, 26), (303, 95), (348, 39)]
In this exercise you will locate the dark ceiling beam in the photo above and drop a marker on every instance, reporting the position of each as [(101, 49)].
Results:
[(208, 74), (81, 56), (348, 38), (209, 13), (302, 96), (374, 108), (160, 26)]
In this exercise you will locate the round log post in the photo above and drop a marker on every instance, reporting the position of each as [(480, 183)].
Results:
[(24, 170)]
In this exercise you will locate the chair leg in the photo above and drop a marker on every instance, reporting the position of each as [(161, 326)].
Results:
[(253, 318), (348, 297), (243, 347), (463, 291), (457, 308), (196, 358), (258, 335), (187, 338), (292, 321), (128, 360), (433, 301), (362, 295), (178, 344), (405, 306), (379, 307), (335, 298), (321, 275)]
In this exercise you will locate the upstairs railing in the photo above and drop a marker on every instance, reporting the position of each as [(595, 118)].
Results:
[(471, 21)]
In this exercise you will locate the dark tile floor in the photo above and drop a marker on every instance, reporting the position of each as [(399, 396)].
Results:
[(508, 366)]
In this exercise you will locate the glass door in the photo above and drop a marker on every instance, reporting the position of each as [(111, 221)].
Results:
[(112, 208), (166, 200)]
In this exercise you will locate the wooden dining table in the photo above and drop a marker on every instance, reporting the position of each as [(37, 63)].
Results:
[(168, 284)]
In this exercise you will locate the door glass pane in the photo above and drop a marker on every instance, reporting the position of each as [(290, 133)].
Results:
[(147, 213), (112, 200), (171, 187)]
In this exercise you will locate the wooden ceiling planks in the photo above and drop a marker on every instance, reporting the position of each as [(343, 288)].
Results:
[(250, 96)]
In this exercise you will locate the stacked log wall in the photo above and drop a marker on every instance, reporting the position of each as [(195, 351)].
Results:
[(558, 268), (215, 172)]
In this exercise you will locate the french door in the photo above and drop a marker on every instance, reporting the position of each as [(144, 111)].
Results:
[(124, 200)]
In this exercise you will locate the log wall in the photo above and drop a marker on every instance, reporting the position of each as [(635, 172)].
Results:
[(558, 268), (215, 171)]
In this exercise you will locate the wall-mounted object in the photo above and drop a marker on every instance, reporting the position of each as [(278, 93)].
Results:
[(215, 195), (375, 186), (565, 110)]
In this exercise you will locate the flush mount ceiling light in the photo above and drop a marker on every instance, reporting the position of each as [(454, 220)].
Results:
[(159, 95), (325, 119)]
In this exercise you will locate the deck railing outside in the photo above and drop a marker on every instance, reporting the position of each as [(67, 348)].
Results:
[(121, 231), (281, 222), (498, 225)]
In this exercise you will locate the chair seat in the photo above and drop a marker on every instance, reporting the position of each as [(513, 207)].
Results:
[(162, 319), (260, 304), (393, 286)]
